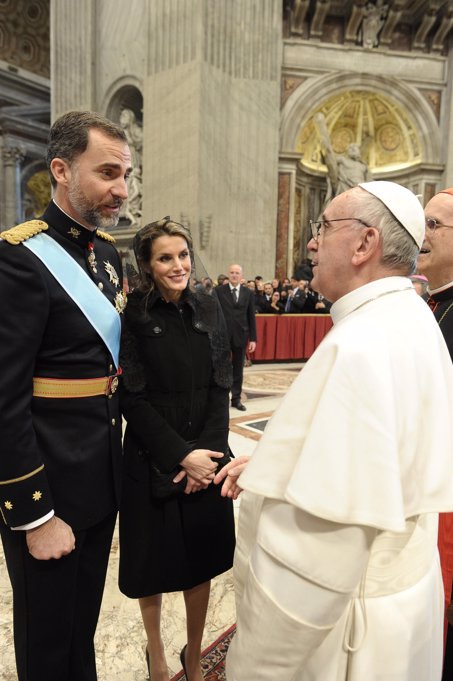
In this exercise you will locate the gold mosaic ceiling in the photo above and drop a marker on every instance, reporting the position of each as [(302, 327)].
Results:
[(384, 131)]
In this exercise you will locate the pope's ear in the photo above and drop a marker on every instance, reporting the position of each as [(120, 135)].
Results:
[(367, 245)]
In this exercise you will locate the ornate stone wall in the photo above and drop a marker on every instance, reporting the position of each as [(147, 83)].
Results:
[(393, 105), (204, 78), (24, 126)]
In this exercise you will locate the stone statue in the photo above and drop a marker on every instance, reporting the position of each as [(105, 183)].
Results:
[(134, 133), (345, 171), (373, 20), (133, 209)]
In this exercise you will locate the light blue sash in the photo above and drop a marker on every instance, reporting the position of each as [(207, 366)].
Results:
[(95, 306)]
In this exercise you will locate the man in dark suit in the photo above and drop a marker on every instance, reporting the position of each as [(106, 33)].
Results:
[(238, 305), (263, 304), (60, 450)]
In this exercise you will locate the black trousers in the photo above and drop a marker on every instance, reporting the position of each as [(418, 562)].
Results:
[(238, 359), (56, 605)]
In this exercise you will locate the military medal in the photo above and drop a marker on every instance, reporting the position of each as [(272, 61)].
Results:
[(120, 301), (92, 258), (112, 273)]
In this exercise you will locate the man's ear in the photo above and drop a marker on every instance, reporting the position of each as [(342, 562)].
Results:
[(61, 171), (366, 246)]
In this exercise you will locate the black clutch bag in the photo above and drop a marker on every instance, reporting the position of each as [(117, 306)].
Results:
[(162, 485)]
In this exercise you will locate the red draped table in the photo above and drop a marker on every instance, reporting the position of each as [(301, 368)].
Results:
[(289, 336)]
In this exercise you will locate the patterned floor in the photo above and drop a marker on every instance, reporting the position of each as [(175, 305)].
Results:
[(120, 638)]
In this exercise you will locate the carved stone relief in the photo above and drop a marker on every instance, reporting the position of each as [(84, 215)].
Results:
[(289, 84), (434, 98)]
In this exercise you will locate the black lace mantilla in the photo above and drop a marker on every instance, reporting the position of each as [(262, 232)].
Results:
[(207, 316)]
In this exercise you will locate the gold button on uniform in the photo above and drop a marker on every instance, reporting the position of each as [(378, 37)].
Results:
[(110, 367), (101, 285), (113, 422)]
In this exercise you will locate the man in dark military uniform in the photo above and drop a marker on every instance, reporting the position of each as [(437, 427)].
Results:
[(60, 447), (436, 263)]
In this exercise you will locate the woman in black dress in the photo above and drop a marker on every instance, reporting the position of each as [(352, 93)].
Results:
[(175, 387)]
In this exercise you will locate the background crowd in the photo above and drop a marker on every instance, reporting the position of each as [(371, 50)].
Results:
[(289, 295)]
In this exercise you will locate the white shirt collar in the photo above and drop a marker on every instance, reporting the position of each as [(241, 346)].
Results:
[(365, 294), (441, 288)]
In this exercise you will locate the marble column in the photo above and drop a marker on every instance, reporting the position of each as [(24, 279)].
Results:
[(447, 180), (211, 119), (12, 157), (72, 38)]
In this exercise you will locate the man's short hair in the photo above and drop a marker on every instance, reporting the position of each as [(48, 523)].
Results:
[(399, 249), (68, 137)]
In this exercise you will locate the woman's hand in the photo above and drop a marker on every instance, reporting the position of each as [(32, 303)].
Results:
[(192, 485), (199, 466), (230, 474)]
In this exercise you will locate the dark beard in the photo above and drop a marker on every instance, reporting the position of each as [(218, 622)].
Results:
[(90, 212)]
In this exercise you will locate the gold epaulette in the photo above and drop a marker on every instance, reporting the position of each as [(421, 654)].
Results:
[(105, 236), (22, 232)]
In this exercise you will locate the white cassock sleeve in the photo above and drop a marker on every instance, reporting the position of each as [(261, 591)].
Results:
[(302, 573)]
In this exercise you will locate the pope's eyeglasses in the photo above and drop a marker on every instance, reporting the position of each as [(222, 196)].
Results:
[(317, 225)]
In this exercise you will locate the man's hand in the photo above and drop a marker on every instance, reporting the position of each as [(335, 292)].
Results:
[(252, 346), (230, 474), (52, 539)]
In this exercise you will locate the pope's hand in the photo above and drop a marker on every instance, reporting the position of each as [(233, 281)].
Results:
[(229, 474)]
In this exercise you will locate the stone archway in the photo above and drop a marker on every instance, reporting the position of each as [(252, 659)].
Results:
[(124, 94), (394, 123), (311, 95)]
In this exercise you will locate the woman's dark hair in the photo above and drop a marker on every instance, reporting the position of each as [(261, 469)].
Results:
[(68, 137), (143, 247)]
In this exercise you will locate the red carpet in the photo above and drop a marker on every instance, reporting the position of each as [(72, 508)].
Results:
[(213, 658)]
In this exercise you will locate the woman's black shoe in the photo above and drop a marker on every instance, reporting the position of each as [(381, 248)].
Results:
[(182, 657)]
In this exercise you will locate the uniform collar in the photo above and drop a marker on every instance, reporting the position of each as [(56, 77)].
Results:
[(67, 226)]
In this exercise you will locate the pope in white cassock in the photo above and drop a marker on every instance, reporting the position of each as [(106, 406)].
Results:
[(336, 568)]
